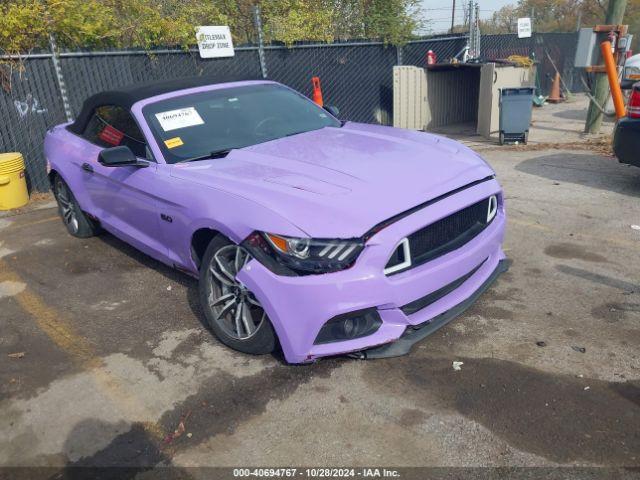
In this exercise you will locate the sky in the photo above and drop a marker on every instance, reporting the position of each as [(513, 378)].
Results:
[(439, 11)]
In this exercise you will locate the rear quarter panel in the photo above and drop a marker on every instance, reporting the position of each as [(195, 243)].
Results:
[(64, 152)]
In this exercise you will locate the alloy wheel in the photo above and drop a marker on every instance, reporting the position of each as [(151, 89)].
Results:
[(235, 309), (67, 206)]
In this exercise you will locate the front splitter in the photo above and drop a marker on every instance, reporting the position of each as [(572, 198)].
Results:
[(414, 334)]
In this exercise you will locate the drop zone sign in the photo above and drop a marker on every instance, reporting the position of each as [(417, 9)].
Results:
[(524, 27), (214, 42)]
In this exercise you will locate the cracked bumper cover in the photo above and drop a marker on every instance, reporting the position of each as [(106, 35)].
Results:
[(414, 334), (298, 307)]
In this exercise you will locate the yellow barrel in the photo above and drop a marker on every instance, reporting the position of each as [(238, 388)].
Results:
[(13, 187)]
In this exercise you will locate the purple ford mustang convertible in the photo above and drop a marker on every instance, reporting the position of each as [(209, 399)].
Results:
[(322, 236)]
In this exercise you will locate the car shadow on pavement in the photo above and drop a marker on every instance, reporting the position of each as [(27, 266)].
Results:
[(564, 418), (123, 450), (190, 284), (145, 260), (587, 169)]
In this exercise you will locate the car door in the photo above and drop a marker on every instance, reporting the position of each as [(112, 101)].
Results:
[(122, 198)]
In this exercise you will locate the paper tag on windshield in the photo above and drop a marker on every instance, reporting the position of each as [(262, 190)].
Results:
[(181, 118)]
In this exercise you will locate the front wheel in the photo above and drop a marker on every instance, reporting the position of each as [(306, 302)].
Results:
[(232, 311)]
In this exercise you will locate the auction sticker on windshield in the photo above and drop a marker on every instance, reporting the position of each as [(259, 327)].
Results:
[(174, 142), (181, 118)]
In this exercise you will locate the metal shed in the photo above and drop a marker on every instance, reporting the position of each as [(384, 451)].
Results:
[(453, 94)]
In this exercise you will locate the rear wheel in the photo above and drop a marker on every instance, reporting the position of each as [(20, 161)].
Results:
[(232, 311), (76, 221)]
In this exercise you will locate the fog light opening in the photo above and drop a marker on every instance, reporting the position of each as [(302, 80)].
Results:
[(349, 326)]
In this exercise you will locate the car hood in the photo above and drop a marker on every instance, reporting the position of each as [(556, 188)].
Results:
[(340, 182)]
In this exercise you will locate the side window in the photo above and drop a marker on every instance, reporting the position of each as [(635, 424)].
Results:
[(111, 126)]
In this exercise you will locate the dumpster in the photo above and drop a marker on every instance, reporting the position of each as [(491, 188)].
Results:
[(515, 114), (13, 187)]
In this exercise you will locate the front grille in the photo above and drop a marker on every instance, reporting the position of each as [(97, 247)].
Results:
[(447, 234)]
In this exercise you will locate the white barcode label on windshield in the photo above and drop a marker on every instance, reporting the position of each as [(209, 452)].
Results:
[(181, 118)]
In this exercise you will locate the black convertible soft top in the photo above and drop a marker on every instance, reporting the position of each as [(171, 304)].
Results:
[(125, 97)]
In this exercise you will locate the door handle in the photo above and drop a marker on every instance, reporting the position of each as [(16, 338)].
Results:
[(87, 168)]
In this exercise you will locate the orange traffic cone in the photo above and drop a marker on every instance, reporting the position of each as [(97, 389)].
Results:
[(317, 91), (555, 90)]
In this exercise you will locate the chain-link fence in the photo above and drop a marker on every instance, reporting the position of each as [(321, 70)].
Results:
[(548, 49), (356, 77), (30, 103)]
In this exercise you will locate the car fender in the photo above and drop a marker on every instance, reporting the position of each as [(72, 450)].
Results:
[(252, 216), (194, 206)]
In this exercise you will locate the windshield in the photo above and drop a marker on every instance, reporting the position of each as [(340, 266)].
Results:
[(201, 124)]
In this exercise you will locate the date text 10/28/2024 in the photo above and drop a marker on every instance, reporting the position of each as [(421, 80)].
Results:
[(315, 473)]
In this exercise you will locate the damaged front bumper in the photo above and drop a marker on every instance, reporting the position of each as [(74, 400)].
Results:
[(410, 304), (415, 333)]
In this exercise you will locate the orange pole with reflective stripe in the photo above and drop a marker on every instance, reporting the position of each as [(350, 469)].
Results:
[(612, 73)]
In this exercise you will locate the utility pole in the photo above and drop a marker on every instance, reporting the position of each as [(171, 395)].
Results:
[(55, 57), (533, 14), (600, 89), (453, 15), (579, 20), (477, 30), (258, 23)]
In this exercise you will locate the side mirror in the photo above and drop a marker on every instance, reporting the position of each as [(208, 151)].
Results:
[(119, 157), (335, 111)]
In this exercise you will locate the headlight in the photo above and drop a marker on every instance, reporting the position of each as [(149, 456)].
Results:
[(302, 256)]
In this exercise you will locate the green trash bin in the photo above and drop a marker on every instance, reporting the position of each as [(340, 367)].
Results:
[(516, 105)]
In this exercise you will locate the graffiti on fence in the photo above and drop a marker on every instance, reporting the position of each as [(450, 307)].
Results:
[(29, 105)]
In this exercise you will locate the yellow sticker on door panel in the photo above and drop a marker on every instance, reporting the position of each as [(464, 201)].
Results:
[(173, 142)]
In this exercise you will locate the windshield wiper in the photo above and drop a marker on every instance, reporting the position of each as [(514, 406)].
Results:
[(214, 154), (296, 133)]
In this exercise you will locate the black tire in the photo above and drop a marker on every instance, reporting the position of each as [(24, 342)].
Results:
[(501, 138), (259, 342), (76, 221)]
